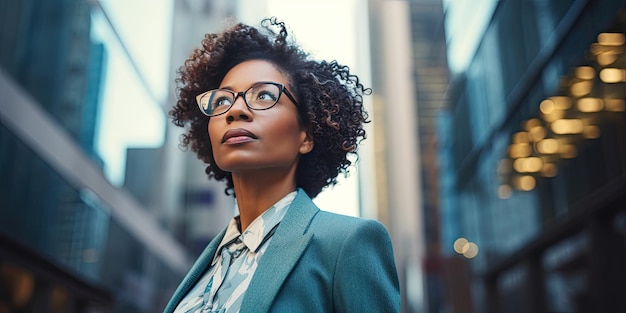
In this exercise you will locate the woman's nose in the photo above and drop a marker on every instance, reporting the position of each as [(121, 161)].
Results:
[(239, 110)]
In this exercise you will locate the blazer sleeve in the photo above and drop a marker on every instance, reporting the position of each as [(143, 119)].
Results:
[(366, 279)]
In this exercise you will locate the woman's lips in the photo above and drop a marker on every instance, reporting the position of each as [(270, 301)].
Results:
[(238, 135)]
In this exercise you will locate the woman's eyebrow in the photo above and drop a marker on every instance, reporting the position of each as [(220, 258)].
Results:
[(251, 85)]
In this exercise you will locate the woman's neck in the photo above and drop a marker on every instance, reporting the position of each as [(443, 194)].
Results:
[(257, 192)]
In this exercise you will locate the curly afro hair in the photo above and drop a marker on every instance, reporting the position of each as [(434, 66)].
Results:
[(330, 99)]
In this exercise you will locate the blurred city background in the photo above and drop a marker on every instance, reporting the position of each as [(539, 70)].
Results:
[(496, 156)]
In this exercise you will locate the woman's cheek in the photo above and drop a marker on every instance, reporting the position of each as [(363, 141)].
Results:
[(215, 142)]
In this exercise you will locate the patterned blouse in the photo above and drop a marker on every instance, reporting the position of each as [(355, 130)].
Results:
[(222, 287)]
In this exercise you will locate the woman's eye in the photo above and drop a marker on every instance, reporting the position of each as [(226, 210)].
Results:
[(266, 96), (222, 101)]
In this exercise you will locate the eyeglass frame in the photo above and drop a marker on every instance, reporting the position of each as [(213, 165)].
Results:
[(281, 89)]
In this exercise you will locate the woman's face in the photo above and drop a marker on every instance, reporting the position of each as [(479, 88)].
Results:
[(250, 140)]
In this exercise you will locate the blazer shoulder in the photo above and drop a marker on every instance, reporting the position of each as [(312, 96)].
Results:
[(348, 220), (332, 222)]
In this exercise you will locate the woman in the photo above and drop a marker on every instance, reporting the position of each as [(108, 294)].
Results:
[(277, 128)]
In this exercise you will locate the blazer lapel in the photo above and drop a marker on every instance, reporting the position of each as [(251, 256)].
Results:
[(202, 264), (282, 254)]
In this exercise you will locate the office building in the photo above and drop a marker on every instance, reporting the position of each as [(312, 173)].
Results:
[(534, 154), (409, 80), (71, 238)]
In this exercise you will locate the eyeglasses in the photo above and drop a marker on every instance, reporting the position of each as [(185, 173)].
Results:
[(261, 96)]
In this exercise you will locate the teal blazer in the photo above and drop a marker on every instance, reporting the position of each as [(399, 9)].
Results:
[(317, 261)]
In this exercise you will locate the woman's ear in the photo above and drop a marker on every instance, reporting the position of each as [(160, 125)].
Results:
[(307, 144)]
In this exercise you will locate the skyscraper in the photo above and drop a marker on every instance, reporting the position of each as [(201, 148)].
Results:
[(70, 240), (535, 146)]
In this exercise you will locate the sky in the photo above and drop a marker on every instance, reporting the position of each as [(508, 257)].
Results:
[(131, 112), (465, 23)]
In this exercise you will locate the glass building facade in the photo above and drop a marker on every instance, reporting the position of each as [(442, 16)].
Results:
[(71, 240), (533, 158)]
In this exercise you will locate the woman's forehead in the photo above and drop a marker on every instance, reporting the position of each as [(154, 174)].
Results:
[(247, 73)]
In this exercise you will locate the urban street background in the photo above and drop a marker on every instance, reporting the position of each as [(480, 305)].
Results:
[(496, 155)]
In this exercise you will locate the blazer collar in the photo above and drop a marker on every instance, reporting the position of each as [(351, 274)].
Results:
[(285, 249)]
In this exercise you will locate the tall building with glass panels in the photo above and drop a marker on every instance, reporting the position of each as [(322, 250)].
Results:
[(533, 172), (72, 239)]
